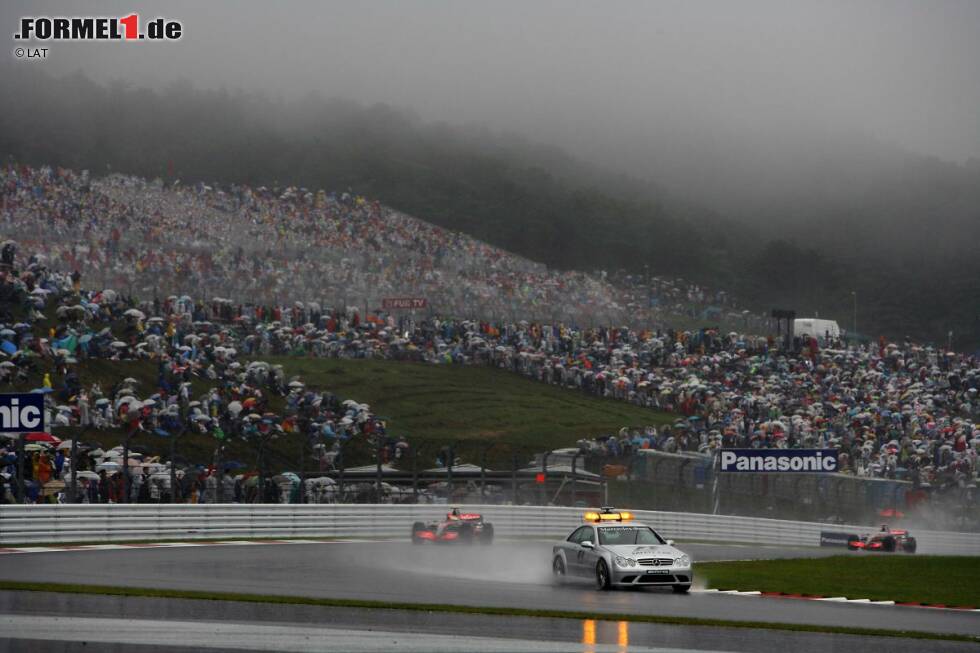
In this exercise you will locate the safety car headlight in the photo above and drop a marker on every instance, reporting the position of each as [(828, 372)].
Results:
[(631, 562), (683, 561)]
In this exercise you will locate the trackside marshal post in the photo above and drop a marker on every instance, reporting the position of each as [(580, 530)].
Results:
[(779, 460)]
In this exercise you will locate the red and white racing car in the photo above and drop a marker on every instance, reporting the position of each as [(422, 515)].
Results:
[(887, 539), (457, 527)]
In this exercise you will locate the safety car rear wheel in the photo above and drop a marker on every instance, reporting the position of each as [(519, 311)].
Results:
[(558, 570)]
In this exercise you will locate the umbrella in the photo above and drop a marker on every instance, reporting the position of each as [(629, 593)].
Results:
[(133, 313), (92, 476), (8, 347), (42, 437)]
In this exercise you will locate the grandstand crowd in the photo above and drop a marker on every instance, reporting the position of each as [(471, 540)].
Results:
[(204, 284)]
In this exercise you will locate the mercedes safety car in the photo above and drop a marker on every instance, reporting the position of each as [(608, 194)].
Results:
[(887, 539), (614, 551), (457, 527)]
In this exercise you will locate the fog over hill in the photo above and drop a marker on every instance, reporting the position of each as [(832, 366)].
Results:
[(793, 152)]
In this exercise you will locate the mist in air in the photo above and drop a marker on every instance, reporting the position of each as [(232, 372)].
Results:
[(715, 140), (716, 96)]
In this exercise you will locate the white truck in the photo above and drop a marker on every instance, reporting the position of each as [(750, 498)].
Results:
[(816, 327)]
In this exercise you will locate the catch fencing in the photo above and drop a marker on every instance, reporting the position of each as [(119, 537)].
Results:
[(36, 524), (683, 482)]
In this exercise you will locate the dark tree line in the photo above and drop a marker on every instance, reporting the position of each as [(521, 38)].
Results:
[(533, 200)]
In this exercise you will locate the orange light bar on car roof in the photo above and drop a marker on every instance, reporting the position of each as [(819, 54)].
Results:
[(607, 516)]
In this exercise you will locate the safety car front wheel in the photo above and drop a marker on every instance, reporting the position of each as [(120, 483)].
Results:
[(602, 582)]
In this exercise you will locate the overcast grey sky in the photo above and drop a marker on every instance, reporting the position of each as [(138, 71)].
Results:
[(902, 72)]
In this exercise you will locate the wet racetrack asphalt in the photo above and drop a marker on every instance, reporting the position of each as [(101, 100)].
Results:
[(507, 574)]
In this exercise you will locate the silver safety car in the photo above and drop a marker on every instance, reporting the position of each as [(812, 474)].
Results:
[(615, 551)]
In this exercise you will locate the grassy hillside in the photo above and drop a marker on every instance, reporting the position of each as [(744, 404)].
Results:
[(471, 404), (432, 406)]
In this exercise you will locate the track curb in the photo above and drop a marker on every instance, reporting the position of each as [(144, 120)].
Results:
[(839, 599)]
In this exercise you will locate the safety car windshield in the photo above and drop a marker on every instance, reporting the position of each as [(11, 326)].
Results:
[(618, 535)]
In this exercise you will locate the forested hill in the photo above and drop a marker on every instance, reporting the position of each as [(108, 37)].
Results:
[(527, 198)]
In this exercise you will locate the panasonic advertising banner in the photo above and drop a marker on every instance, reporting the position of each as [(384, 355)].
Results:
[(779, 460), (21, 413)]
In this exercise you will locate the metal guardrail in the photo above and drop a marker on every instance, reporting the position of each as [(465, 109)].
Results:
[(115, 522)]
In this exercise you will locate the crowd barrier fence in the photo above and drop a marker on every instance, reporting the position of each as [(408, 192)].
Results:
[(37, 524)]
